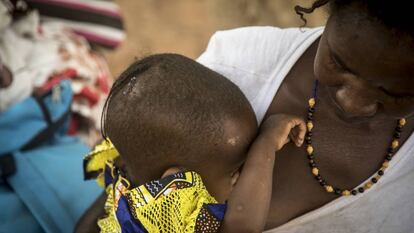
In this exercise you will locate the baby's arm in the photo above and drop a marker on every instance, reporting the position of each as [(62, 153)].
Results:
[(248, 204), (88, 222)]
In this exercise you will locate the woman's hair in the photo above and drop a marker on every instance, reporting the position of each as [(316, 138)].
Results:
[(395, 15)]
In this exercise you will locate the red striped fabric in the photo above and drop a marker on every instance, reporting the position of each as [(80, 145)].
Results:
[(88, 6)]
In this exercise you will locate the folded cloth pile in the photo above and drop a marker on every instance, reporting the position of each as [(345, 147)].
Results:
[(39, 55)]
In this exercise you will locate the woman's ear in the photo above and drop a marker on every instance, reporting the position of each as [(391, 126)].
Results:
[(170, 171)]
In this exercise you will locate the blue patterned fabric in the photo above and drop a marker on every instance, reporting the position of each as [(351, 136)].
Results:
[(127, 222)]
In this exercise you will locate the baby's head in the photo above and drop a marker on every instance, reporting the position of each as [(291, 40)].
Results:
[(168, 112)]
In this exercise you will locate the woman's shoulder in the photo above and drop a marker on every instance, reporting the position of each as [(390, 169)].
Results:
[(254, 49)]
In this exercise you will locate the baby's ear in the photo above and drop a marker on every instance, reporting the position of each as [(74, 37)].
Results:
[(170, 171)]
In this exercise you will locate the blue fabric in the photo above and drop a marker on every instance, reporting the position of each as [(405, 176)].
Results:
[(127, 222), (22, 121), (50, 183), (14, 215), (107, 176), (217, 210), (48, 192)]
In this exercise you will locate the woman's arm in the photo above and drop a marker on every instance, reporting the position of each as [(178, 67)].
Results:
[(249, 201), (88, 222)]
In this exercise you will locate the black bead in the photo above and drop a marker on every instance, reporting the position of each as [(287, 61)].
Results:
[(388, 157), (397, 135), (308, 140), (309, 134), (380, 172), (310, 118), (337, 191), (361, 190), (354, 192), (311, 110), (398, 129), (322, 182), (311, 157), (312, 163), (374, 180), (318, 177), (390, 150)]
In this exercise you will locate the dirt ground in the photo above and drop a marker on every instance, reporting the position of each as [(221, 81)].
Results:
[(185, 26)]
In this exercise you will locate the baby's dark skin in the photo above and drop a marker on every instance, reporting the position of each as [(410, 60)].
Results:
[(239, 188), (249, 201)]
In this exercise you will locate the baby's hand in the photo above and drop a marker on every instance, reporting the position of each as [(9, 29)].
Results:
[(279, 129)]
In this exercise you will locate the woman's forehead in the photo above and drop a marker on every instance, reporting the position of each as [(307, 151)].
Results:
[(373, 53)]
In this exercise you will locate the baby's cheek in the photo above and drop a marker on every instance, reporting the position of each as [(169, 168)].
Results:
[(229, 184), (222, 189)]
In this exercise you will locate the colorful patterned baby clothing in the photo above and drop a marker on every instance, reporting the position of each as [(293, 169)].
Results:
[(176, 203)]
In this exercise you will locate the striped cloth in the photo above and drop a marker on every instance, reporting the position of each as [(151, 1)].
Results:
[(99, 21)]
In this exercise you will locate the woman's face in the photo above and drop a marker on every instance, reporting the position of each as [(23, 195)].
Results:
[(366, 70)]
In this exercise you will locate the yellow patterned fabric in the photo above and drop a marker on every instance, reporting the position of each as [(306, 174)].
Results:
[(95, 162), (176, 203), (109, 223), (174, 207)]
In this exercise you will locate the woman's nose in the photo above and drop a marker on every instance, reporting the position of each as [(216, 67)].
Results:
[(355, 102)]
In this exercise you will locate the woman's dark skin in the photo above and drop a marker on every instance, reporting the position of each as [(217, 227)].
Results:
[(365, 85)]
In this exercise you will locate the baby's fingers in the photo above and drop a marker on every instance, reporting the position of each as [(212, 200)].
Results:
[(297, 133)]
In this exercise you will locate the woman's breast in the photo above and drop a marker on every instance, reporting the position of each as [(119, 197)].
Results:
[(345, 156)]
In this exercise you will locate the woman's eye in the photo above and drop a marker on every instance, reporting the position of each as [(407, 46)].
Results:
[(397, 98), (335, 64)]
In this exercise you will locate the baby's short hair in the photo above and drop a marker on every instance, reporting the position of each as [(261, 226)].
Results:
[(166, 110)]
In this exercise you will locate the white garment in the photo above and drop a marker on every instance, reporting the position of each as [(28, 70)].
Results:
[(257, 59), (5, 17)]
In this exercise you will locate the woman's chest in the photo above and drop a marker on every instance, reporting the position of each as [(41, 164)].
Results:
[(345, 155)]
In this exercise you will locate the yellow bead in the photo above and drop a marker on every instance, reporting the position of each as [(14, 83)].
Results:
[(402, 121), (312, 102), (315, 171), (368, 185), (385, 164), (329, 189), (309, 149), (346, 193), (394, 144), (309, 125)]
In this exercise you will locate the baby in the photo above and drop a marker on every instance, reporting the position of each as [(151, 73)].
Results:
[(186, 159)]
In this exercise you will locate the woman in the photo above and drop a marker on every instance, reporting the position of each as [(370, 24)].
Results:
[(357, 175)]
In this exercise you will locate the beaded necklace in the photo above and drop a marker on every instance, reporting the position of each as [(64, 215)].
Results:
[(316, 171)]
